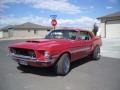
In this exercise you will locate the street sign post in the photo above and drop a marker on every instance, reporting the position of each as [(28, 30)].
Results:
[(53, 16), (54, 21)]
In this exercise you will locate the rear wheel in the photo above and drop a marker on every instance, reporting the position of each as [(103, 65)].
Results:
[(63, 65), (96, 53)]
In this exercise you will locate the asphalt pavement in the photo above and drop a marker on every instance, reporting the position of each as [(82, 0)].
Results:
[(85, 74)]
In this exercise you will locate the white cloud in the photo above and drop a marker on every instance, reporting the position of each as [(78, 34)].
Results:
[(109, 7), (12, 20), (63, 6), (113, 1), (77, 22)]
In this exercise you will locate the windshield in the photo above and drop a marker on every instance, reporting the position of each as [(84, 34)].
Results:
[(62, 34)]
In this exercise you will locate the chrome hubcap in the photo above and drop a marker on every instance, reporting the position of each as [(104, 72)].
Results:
[(98, 53), (66, 64)]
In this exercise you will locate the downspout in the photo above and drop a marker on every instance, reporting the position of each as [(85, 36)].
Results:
[(105, 28)]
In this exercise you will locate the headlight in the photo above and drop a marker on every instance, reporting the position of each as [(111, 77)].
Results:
[(47, 55), (12, 50)]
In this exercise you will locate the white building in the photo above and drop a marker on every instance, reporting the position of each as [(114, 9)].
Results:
[(110, 25), (24, 30)]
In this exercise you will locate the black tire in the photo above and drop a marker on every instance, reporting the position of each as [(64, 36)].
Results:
[(62, 67), (96, 53), (22, 66)]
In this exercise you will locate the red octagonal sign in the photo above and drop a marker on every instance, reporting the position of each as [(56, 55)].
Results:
[(54, 22)]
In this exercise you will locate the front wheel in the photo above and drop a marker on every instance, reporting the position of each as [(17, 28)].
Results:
[(63, 65)]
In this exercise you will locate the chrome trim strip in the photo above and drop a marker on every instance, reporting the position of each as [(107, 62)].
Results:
[(81, 49), (22, 56)]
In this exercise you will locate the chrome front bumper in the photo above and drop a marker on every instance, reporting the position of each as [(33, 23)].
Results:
[(32, 61)]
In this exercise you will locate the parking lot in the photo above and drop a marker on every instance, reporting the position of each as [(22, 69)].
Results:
[(85, 74)]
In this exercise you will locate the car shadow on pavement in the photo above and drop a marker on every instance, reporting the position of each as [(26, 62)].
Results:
[(80, 62), (38, 71), (50, 71)]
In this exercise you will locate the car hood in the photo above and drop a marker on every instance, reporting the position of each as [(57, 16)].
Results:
[(42, 44)]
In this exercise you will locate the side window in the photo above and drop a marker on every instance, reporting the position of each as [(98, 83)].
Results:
[(84, 35), (72, 35)]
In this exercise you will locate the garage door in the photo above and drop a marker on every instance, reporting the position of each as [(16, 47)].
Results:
[(113, 28)]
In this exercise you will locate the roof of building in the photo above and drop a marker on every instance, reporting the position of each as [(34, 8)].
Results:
[(6, 28), (27, 25), (116, 14)]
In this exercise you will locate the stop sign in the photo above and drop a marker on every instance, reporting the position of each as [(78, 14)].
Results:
[(54, 22)]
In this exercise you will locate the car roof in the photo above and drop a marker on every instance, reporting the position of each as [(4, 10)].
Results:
[(76, 29)]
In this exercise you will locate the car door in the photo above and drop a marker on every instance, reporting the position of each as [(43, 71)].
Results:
[(75, 48), (81, 46), (86, 43)]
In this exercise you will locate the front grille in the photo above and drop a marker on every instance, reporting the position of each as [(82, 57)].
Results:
[(23, 52)]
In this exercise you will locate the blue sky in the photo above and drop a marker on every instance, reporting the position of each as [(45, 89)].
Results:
[(74, 13)]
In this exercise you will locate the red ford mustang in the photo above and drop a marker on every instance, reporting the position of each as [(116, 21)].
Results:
[(59, 48)]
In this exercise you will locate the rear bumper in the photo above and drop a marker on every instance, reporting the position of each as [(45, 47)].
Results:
[(28, 61)]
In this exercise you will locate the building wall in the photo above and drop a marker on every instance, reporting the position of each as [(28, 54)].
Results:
[(5, 34), (22, 33), (29, 33), (102, 29), (10, 32), (1, 34), (42, 33)]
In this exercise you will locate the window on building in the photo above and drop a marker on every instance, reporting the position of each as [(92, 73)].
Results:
[(48, 30), (35, 31), (29, 30), (5, 30)]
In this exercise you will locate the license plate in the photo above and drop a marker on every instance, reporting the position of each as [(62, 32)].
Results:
[(23, 62)]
